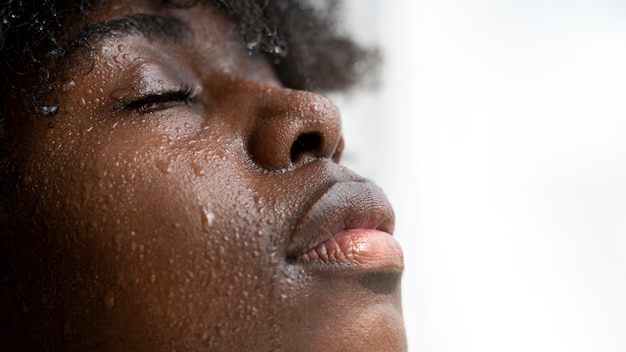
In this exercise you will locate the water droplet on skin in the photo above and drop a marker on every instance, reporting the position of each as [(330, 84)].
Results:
[(253, 41), (163, 165), (118, 94), (207, 219), (279, 50), (220, 154), (68, 85), (109, 299), (83, 102), (197, 169), (315, 108), (102, 173)]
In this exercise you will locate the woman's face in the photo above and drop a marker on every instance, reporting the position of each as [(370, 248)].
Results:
[(183, 199)]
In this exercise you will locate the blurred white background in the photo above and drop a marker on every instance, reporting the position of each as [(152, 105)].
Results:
[(499, 134)]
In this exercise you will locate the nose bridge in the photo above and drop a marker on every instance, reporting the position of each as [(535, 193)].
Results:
[(290, 128)]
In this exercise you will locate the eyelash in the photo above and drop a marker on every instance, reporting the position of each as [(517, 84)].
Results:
[(159, 100)]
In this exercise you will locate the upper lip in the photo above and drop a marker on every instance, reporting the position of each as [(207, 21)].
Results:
[(343, 206)]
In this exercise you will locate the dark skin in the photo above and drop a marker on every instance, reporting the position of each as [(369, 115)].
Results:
[(177, 202)]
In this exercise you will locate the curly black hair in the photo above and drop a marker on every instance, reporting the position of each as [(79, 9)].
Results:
[(302, 40)]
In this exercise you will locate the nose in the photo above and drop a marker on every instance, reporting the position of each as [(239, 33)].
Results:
[(292, 128)]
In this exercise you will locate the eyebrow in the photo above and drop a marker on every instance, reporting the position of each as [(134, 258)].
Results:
[(164, 28)]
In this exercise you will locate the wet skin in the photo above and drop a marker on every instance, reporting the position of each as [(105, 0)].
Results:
[(174, 204)]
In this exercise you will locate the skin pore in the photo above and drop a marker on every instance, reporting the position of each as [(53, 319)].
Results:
[(176, 202)]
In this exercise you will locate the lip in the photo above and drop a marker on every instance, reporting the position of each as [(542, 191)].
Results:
[(349, 228)]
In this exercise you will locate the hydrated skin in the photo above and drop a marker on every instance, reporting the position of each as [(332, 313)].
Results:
[(143, 224)]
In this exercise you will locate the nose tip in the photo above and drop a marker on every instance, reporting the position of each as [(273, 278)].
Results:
[(295, 128)]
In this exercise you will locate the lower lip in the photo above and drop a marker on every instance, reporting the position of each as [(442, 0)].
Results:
[(356, 250)]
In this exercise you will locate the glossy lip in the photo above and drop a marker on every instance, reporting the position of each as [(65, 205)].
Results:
[(348, 228)]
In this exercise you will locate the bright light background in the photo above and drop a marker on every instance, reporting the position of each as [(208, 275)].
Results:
[(499, 134)]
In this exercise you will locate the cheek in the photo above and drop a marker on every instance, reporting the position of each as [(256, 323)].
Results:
[(161, 230), (198, 254)]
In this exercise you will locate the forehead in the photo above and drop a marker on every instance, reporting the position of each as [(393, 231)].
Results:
[(201, 34), (158, 20)]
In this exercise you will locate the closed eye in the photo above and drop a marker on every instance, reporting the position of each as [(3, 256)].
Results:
[(151, 102)]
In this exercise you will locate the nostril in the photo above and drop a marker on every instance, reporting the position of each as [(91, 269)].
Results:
[(306, 143)]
